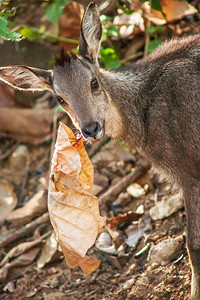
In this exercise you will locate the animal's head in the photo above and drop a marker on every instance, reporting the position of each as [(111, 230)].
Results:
[(74, 79)]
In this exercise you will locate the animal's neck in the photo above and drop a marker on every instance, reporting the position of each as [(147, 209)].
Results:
[(126, 110)]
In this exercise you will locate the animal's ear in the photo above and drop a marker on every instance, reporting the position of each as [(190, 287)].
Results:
[(91, 32), (26, 78)]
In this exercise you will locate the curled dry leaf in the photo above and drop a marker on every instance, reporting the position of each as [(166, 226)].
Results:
[(20, 249), (28, 125), (74, 211), (49, 251), (33, 208), (173, 10), (120, 219), (25, 259)]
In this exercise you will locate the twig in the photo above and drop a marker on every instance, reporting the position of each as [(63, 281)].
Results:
[(133, 56), (147, 24), (5, 155), (48, 35), (24, 230), (16, 277), (113, 191), (97, 146)]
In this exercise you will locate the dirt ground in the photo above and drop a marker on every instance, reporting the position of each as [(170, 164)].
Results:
[(57, 281)]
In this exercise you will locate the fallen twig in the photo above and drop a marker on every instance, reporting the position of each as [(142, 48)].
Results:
[(24, 230), (9, 151), (97, 146), (113, 191)]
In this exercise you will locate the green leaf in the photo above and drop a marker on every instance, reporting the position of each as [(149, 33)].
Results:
[(126, 10), (55, 10), (153, 29), (153, 45), (113, 31), (109, 58), (30, 34), (7, 34), (155, 4)]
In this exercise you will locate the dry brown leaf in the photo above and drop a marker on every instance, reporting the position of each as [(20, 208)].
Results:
[(70, 24), (174, 10), (122, 219), (22, 260), (74, 211), (27, 125), (19, 249), (49, 251), (33, 208)]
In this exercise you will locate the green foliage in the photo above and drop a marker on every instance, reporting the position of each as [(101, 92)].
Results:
[(154, 29), (155, 41), (124, 145), (109, 58), (155, 4), (126, 10), (55, 10), (29, 33), (5, 32), (108, 28), (153, 45)]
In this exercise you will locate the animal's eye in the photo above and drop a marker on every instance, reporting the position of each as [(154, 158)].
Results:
[(60, 100), (94, 84)]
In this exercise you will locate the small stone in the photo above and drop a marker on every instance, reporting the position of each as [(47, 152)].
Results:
[(128, 284), (122, 199), (136, 190), (96, 189), (165, 251), (8, 199), (130, 269), (104, 243), (166, 208), (19, 158), (56, 296)]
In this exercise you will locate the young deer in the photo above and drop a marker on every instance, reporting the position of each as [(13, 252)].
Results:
[(153, 105)]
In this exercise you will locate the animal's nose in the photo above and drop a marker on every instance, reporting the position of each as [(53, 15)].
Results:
[(91, 130)]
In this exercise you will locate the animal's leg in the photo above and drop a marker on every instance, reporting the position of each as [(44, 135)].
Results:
[(192, 204)]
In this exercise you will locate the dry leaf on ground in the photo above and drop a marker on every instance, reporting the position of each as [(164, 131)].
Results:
[(27, 125), (120, 219), (8, 270), (74, 211), (33, 208), (173, 10), (20, 249), (49, 251)]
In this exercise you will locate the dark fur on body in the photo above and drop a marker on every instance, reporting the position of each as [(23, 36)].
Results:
[(152, 105), (160, 106)]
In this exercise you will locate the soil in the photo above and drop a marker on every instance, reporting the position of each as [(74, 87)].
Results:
[(57, 281)]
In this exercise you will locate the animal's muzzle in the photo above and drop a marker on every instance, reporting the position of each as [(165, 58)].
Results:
[(92, 131)]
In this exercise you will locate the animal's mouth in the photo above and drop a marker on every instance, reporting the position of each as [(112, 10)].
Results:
[(97, 137), (80, 135)]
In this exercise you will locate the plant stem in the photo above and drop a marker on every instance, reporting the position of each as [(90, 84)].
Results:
[(47, 35)]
